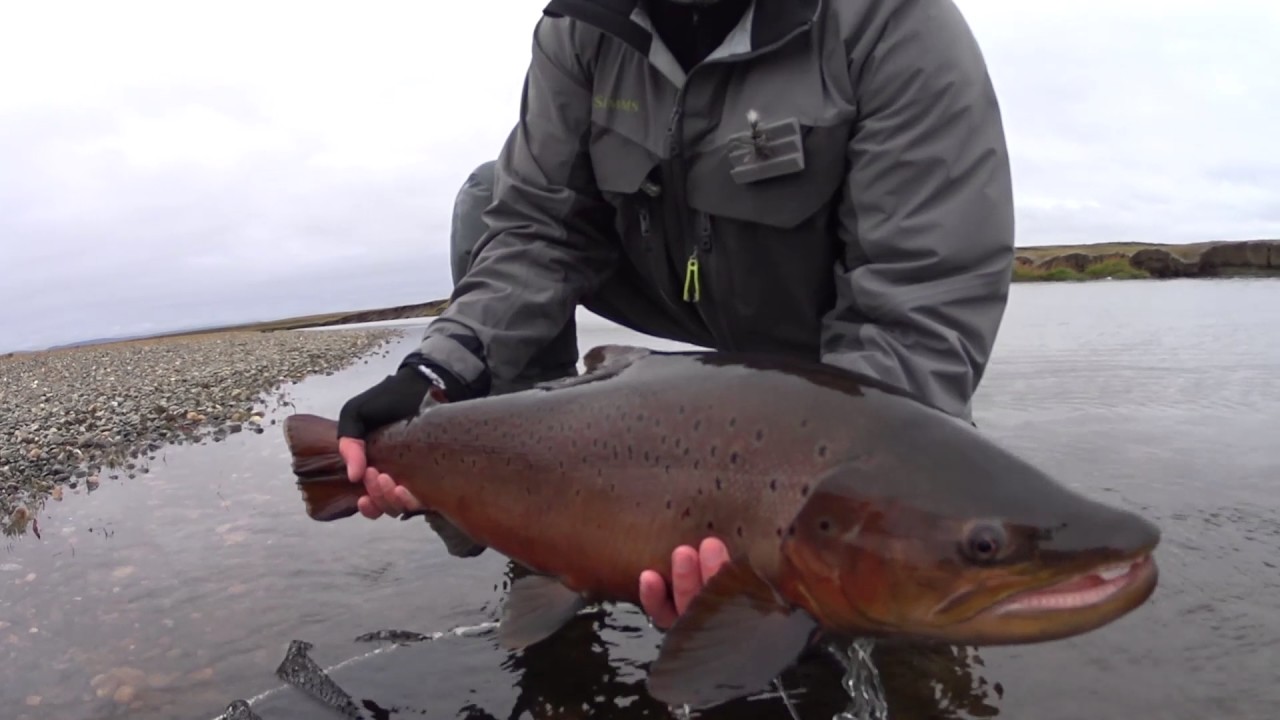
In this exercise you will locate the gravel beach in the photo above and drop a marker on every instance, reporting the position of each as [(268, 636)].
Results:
[(71, 416)]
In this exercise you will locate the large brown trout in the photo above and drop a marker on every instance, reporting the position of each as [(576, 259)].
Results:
[(848, 507)]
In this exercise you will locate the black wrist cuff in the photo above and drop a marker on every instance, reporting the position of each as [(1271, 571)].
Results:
[(454, 389)]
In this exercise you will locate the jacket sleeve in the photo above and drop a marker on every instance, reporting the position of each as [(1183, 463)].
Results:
[(548, 240), (927, 219)]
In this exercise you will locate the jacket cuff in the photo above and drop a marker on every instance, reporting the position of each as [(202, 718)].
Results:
[(443, 375)]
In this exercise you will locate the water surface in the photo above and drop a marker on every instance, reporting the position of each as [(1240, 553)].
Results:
[(170, 594)]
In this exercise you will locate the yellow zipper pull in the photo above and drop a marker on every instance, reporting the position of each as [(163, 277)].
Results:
[(691, 279)]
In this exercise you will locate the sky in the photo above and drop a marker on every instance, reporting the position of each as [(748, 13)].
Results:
[(167, 165)]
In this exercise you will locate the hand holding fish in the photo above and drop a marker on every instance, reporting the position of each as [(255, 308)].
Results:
[(398, 397), (838, 521), (690, 568)]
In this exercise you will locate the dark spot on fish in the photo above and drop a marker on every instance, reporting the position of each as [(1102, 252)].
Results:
[(680, 410), (668, 468), (613, 487), (719, 483), (733, 458), (561, 466), (696, 463), (637, 503), (759, 435), (779, 531), (733, 421), (631, 452), (676, 443), (699, 491), (577, 492), (791, 530), (668, 504), (686, 451), (711, 525), (739, 531), (804, 423), (822, 451), (687, 512), (646, 456), (825, 526), (639, 417), (773, 485), (474, 462), (697, 424), (662, 440), (804, 490)]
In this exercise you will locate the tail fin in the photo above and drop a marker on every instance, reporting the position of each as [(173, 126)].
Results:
[(320, 470)]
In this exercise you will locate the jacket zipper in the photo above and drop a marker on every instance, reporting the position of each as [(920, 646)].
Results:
[(703, 244)]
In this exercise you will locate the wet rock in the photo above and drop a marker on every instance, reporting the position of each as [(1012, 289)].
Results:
[(124, 694), (240, 710)]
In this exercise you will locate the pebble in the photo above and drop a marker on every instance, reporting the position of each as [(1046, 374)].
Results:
[(74, 416)]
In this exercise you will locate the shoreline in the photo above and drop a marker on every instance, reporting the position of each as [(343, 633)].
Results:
[(1143, 261), (1042, 263), (73, 416)]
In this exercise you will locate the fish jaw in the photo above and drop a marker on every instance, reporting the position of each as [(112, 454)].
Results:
[(1060, 608), (869, 560)]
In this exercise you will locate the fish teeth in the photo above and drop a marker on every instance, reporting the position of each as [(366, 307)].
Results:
[(1114, 572)]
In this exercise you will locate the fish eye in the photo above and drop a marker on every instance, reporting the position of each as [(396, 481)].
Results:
[(984, 542)]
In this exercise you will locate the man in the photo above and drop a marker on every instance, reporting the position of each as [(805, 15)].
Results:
[(825, 178)]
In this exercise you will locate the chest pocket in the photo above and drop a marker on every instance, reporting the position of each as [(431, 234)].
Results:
[(798, 175), (624, 172)]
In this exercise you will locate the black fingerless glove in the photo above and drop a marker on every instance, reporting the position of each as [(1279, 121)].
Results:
[(397, 397)]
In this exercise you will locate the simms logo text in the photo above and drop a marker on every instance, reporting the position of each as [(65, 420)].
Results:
[(608, 103)]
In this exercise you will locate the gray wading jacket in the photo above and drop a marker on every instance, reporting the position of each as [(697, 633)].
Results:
[(867, 221)]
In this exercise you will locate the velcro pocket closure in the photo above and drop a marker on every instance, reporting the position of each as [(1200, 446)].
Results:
[(781, 195)]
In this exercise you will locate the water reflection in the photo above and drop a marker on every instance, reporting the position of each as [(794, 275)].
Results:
[(595, 667), (170, 594)]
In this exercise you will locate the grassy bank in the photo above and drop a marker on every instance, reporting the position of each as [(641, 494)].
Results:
[(1129, 261), (1113, 269)]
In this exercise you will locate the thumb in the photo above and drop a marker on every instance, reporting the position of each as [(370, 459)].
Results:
[(352, 452)]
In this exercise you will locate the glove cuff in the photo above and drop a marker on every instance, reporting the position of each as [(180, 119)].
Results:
[(448, 383)]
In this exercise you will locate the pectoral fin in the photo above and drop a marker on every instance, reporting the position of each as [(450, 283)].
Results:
[(735, 637), (536, 608), (456, 542), (601, 363)]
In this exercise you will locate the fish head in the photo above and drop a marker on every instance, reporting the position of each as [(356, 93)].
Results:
[(963, 542)]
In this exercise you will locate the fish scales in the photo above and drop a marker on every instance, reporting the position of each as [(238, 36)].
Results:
[(594, 484), (847, 506)]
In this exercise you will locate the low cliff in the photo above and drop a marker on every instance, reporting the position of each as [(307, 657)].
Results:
[(1148, 260)]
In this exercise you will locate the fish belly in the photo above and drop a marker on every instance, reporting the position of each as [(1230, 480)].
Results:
[(595, 484)]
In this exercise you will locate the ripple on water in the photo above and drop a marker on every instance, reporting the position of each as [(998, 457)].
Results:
[(187, 584)]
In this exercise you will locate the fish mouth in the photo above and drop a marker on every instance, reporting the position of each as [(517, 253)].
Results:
[(1134, 578)]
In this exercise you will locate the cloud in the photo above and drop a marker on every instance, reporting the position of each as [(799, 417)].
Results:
[(184, 163), (1139, 120)]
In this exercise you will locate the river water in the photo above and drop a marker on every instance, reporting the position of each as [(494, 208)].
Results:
[(171, 594)]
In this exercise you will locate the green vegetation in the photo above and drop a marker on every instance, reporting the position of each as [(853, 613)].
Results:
[(1111, 268)]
